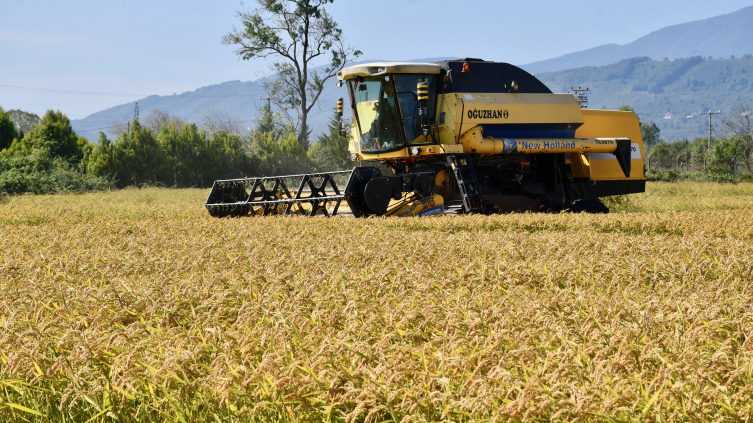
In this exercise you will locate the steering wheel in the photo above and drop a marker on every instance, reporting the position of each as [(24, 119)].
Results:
[(385, 136)]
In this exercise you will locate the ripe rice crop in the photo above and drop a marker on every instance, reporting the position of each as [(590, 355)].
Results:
[(136, 306)]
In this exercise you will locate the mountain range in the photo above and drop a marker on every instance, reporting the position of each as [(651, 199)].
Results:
[(234, 98), (667, 71), (671, 93), (721, 37)]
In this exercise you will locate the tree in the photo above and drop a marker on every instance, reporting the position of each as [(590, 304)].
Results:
[(726, 151), (54, 134), (101, 161), (626, 108), (139, 156), (216, 120), (7, 130), (24, 121), (740, 125), (269, 122), (174, 155), (650, 133), (159, 119), (298, 32), (278, 154), (330, 152)]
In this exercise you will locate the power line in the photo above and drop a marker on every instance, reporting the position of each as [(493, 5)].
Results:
[(114, 124), (98, 129), (69, 92), (93, 93)]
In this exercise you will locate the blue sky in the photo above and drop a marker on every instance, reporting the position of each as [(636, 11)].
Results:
[(139, 47)]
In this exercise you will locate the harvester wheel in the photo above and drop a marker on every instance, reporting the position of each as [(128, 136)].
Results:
[(424, 185)]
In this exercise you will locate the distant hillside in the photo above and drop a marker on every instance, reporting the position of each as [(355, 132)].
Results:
[(234, 97), (653, 88), (720, 36), (681, 87)]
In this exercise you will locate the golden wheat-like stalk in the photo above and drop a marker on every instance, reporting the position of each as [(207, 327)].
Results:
[(137, 306)]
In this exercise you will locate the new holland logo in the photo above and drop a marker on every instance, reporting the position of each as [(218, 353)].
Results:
[(488, 114)]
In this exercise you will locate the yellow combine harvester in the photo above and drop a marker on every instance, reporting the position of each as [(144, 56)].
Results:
[(464, 136)]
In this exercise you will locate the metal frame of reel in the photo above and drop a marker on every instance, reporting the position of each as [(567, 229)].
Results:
[(231, 198)]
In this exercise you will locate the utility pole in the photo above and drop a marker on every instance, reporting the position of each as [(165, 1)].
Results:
[(687, 156), (580, 96), (708, 151), (268, 99)]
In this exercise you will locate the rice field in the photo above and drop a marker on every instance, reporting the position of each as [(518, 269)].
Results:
[(136, 306)]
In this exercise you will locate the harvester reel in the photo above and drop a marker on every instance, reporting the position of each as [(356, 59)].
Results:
[(312, 194)]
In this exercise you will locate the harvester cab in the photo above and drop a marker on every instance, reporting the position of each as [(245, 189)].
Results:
[(464, 136)]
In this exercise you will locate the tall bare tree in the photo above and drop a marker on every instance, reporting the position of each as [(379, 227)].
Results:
[(297, 32), (217, 120), (154, 121), (740, 123)]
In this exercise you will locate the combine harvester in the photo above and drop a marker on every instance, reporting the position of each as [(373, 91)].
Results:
[(464, 136)]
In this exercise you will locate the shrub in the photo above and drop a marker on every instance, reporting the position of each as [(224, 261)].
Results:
[(710, 174), (40, 173), (662, 175)]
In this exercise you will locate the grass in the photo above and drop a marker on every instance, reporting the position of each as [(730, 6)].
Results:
[(135, 306)]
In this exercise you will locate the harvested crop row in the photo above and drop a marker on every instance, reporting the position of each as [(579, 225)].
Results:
[(136, 305)]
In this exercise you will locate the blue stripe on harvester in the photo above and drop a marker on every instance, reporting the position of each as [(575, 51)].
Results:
[(518, 133)]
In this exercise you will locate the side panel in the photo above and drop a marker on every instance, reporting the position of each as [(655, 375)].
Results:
[(515, 115), (613, 124), (447, 114)]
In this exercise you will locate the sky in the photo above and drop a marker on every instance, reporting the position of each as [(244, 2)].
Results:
[(106, 53)]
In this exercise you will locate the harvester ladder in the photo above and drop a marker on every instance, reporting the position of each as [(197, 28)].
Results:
[(470, 189)]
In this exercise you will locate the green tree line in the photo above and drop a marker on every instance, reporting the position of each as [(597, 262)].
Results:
[(730, 157), (50, 157)]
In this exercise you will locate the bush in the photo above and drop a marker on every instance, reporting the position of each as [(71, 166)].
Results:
[(51, 157), (710, 174), (54, 134), (662, 175), (40, 173), (745, 177), (713, 174)]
